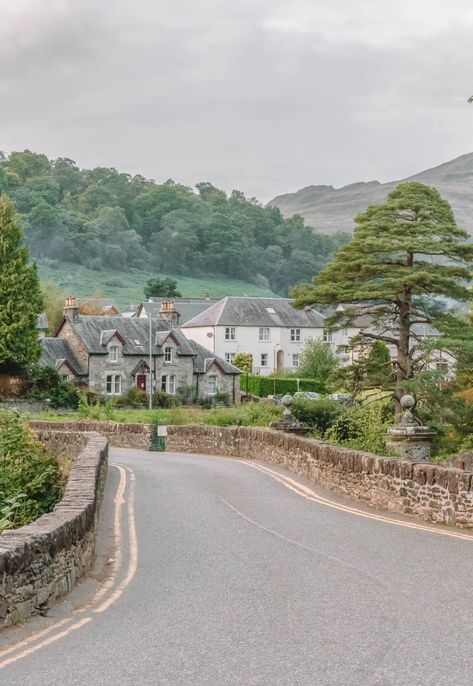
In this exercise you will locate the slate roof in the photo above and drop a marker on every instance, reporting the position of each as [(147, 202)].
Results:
[(134, 331), (57, 350), (204, 359), (240, 311), (188, 308)]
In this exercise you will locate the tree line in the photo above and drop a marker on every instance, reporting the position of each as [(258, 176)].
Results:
[(102, 218)]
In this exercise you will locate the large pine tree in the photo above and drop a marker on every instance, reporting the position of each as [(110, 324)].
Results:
[(20, 296), (404, 254)]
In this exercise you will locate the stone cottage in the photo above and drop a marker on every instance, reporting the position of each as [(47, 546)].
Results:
[(114, 354)]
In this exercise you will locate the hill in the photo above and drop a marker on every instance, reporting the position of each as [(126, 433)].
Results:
[(105, 220), (127, 289), (332, 209)]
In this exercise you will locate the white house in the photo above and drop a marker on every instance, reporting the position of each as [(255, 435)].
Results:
[(268, 328)]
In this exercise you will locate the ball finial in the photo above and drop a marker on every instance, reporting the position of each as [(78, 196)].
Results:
[(408, 402)]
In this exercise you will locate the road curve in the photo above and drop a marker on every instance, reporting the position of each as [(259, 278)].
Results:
[(227, 574)]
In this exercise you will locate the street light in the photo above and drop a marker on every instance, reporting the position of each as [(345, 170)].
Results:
[(150, 376)]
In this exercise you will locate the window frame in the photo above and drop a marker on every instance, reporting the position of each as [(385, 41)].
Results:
[(327, 336), (113, 384), (261, 334), (214, 378), (264, 360), (230, 333), (168, 355), (113, 358), (295, 356), (296, 336)]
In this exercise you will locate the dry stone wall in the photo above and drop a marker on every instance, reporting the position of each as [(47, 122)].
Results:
[(42, 561), (429, 492), (118, 435)]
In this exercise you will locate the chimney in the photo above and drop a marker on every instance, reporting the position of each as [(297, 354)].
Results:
[(71, 309), (169, 313)]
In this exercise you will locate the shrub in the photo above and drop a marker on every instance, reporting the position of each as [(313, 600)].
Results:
[(162, 399), (363, 428), (45, 383), (134, 397), (319, 415), (30, 480)]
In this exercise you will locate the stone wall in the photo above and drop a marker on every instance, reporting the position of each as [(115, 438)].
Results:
[(429, 492), (118, 435), (42, 561)]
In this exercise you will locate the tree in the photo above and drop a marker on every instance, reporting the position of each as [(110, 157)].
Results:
[(53, 300), (317, 360), (161, 288), (244, 361), (20, 296), (403, 255), (371, 369)]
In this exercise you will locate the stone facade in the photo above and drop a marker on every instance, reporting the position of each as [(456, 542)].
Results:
[(118, 435), (42, 561)]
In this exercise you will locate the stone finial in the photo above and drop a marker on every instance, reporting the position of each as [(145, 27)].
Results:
[(408, 402), (410, 439), (287, 400)]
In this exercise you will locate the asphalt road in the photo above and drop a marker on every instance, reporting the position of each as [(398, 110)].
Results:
[(241, 580)]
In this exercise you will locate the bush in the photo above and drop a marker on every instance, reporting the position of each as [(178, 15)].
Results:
[(162, 399), (319, 415), (263, 386), (363, 428), (30, 480), (44, 383), (134, 397)]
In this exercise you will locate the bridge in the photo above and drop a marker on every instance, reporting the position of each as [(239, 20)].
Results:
[(213, 570)]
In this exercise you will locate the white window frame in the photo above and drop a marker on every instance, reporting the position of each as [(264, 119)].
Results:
[(113, 351), (230, 357), (327, 336), (113, 384), (230, 333), (264, 334), (168, 355), (168, 383), (214, 379), (295, 335), (295, 360), (345, 332), (264, 360)]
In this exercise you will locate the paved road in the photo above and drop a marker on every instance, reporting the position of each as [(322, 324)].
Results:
[(241, 580)]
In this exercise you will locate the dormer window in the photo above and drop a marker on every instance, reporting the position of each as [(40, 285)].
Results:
[(168, 355), (113, 353)]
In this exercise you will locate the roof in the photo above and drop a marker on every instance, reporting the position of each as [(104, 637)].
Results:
[(55, 351), (187, 308), (204, 360), (133, 331), (240, 311)]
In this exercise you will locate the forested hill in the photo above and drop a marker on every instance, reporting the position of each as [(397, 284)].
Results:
[(103, 219)]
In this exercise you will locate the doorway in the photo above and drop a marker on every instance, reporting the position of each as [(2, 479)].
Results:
[(141, 381)]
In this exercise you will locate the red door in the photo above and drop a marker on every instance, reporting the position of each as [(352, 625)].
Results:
[(141, 381)]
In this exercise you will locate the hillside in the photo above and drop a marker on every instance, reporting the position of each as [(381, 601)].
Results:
[(105, 220), (127, 289), (332, 209)]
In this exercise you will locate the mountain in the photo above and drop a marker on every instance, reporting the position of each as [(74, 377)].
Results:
[(331, 209)]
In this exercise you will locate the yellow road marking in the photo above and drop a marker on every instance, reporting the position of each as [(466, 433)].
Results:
[(34, 637), (309, 494), (48, 641)]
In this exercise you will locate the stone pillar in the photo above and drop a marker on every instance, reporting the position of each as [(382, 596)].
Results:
[(410, 439), (288, 423)]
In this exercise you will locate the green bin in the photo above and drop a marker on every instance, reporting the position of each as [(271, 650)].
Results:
[(158, 441)]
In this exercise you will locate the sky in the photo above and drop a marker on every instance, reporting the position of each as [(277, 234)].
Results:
[(266, 96)]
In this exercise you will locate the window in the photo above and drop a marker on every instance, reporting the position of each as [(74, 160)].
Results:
[(168, 383), (264, 359), (230, 357), (295, 335), (212, 385), (327, 336), (113, 353), (114, 384), (263, 333), (167, 355), (65, 377), (230, 333), (295, 360)]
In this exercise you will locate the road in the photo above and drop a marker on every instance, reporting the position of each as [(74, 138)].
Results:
[(225, 573)]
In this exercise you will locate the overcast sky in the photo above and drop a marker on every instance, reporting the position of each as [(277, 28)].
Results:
[(266, 96)]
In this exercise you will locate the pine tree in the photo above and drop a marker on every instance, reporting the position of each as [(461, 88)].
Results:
[(404, 254), (20, 296)]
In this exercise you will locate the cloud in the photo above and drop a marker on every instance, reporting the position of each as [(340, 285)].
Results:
[(265, 96)]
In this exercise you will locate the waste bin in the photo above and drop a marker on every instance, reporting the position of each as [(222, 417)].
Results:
[(158, 442)]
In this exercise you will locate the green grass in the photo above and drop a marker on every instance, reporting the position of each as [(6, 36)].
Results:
[(127, 288), (249, 414)]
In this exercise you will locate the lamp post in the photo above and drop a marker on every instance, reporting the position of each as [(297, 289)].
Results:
[(150, 377)]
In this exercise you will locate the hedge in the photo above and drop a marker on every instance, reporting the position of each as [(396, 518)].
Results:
[(263, 386)]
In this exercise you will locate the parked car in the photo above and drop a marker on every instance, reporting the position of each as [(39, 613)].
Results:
[(307, 395)]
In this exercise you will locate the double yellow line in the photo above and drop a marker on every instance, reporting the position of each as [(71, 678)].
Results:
[(109, 592)]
